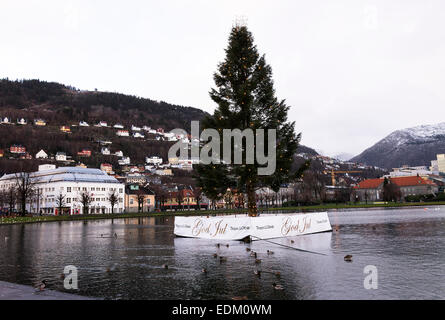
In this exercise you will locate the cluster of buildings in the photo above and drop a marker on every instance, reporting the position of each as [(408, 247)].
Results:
[(410, 180)]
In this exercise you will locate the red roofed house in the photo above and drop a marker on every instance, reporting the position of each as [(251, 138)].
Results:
[(84, 153), (372, 189), (17, 149)]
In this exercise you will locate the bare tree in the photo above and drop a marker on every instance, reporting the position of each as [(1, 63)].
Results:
[(11, 199), (25, 185), (180, 199), (113, 199), (197, 194), (60, 201), (86, 199)]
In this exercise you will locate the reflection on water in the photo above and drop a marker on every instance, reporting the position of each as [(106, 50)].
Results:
[(406, 245)]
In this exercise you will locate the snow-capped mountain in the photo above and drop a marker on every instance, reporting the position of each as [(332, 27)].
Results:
[(412, 146)]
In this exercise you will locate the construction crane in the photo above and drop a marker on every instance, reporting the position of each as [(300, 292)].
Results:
[(334, 172)]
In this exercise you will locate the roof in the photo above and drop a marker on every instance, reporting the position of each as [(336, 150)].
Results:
[(136, 189), (399, 181), (72, 174)]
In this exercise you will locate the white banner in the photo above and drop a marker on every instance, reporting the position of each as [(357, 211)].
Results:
[(266, 226)]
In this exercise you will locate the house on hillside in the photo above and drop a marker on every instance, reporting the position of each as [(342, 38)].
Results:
[(123, 133), (105, 151), (41, 155), (118, 126), (84, 153), (102, 124), (26, 156), (124, 161), (6, 120), (83, 124), (153, 160), (119, 153), (138, 135), (106, 167), (22, 121), (2, 153), (160, 130), (65, 129), (134, 128), (39, 122), (17, 148), (60, 156)]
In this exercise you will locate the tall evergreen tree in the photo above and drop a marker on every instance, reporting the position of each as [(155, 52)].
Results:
[(246, 98)]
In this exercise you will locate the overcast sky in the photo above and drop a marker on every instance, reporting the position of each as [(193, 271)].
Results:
[(352, 71)]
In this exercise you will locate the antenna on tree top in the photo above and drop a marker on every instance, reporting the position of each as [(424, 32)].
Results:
[(240, 21)]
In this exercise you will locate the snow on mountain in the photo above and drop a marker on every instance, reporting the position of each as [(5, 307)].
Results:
[(413, 146)]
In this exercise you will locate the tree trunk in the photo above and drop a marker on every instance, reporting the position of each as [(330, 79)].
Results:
[(251, 200)]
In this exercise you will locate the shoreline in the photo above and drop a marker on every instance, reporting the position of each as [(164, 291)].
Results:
[(327, 207), (15, 291)]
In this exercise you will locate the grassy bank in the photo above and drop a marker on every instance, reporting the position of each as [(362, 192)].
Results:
[(321, 207)]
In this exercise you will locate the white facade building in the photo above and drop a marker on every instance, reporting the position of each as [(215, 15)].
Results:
[(153, 160), (41, 155), (71, 183)]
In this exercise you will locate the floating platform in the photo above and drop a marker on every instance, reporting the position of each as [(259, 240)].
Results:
[(239, 227)]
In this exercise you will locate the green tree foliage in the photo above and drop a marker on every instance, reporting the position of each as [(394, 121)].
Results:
[(246, 98)]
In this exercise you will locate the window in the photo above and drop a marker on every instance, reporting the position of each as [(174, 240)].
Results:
[(84, 189), (148, 201), (68, 189), (68, 200), (121, 190), (93, 189), (131, 201)]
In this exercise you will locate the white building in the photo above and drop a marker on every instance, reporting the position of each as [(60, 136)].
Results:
[(22, 121), (124, 161), (153, 160), (138, 135), (118, 126), (6, 120), (70, 183), (406, 171), (119, 153), (105, 151), (83, 124), (60, 156), (41, 155), (134, 128)]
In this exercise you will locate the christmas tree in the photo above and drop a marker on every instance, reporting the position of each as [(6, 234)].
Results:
[(246, 99)]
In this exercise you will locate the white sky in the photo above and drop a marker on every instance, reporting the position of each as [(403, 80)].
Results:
[(352, 71)]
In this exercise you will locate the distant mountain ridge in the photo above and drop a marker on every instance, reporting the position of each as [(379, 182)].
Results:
[(412, 146)]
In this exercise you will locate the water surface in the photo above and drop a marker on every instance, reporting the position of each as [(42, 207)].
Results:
[(406, 245)]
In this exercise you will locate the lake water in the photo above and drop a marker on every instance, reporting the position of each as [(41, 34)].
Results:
[(407, 246)]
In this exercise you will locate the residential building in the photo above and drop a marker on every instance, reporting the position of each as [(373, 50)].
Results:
[(135, 128), (6, 120), (124, 161), (40, 122), (106, 167), (119, 153), (16, 148), (71, 183), (22, 121), (139, 199), (138, 135), (118, 126), (65, 129), (60, 156), (83, 124), (102, 124), (183, 199), (123, 133), (153, 160), (41, 155), (105, 151), (84, 153)]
